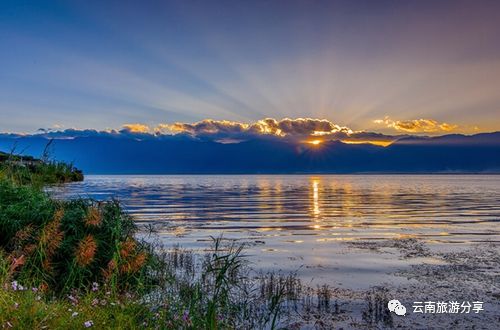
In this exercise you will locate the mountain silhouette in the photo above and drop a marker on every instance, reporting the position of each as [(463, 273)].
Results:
[(182, 154)]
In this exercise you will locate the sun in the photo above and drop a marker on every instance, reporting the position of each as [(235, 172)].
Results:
[(315, 142)]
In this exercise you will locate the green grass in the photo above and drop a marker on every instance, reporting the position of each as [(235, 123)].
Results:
[(33, 310), (27, 170)]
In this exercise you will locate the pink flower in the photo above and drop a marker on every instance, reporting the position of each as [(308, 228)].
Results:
[(88, 324), (73, 300)]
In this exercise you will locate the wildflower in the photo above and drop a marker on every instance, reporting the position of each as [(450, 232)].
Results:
[(95, 286), (73, 299), (14, 285), (38, 298), (95, 302), (16, 262), (74, 314), (58, 215), (127, 248), (88, 324), (139, 261), (52, 235), (85, 251), (186, 318), (34, 289), (107, 273), (94, 217), (44, 287), (29, 249), (24, 234)]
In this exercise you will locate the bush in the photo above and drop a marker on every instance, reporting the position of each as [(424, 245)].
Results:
[(62, 246)]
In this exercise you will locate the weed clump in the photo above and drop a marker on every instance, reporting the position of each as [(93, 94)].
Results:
[(67, 245)]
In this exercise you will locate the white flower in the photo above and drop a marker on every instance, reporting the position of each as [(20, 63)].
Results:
[(75, 314), (14, 285)]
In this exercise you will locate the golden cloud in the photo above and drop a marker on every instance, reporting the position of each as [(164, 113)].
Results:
[(267, 126), (417, 125), (207, 126), (136, 128)]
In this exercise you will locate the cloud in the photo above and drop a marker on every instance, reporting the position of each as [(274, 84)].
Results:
[(299, 127), (417, 125), (136, 128), (298, 130), (206, 127)]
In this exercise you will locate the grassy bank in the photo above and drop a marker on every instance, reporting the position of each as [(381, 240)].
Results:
[(27, 170)]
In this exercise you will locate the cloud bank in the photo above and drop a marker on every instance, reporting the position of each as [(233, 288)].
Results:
[(417, 125), (269, 126), (297, 130)]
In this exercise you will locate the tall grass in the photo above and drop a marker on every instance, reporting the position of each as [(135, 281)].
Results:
[(27, 170), (63, 245)]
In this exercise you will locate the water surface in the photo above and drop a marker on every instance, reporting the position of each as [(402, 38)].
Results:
[(302, 223)]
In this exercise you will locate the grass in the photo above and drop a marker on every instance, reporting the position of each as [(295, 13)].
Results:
[(76, 264), (27, 170)]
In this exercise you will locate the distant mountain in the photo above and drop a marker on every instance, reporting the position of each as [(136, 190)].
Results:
[(149, 154)]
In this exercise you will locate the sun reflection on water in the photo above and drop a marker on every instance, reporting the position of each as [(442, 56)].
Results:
[(316, 212)]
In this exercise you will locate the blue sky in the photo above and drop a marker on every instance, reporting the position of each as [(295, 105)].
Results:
[(366, 65)]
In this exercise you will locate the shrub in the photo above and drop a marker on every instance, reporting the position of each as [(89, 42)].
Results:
[(68, 245)]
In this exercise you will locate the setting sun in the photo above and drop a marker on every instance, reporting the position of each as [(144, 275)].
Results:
[(315, 142)]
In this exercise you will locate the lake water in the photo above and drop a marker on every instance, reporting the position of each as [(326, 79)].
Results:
[(306, 223)]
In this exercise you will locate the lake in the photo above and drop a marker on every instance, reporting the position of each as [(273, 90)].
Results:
[(312, 224)]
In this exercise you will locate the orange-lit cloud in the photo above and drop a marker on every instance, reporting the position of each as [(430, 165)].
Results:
[(299, 130), (417, 125), (136, 128), (267, 126), (207, 126)]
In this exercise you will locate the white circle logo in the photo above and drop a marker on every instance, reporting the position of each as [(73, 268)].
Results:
[(396, 307)]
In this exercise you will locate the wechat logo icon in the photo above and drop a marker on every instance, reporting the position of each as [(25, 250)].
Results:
[(396, 307)]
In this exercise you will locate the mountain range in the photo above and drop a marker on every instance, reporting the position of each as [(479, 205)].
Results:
[(100, 153)]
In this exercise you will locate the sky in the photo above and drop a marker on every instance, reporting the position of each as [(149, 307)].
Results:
[(394, 67)]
